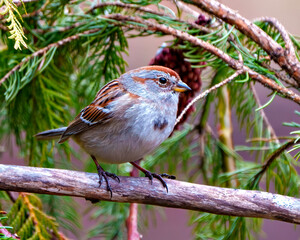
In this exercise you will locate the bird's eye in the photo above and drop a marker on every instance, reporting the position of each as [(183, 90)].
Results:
[(162, 80)]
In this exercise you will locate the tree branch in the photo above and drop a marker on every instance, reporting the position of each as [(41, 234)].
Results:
[(285, 58), (235, 64), (147, 10), (224, 201), (44, 50)]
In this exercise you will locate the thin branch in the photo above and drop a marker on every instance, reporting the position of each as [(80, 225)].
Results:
[(204, 94), (11, 197), (44, 50), (224, 201), (235, 64), (285, 59), (147, 10), (186, 8), (271, 159), (282, 76), (283, 32), (36, 12)]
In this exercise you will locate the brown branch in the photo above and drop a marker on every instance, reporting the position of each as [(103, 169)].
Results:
[(284, 34), (36, 12), (224, 201), (44, 50), (271, 159), (147, 10), (283, 57), (235, 64), (282, 76)]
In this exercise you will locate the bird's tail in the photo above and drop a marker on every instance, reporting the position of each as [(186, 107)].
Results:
[(51, 134)]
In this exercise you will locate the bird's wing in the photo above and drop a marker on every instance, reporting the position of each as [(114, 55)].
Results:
[(98, 112)]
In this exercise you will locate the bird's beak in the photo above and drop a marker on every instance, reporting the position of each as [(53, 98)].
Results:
[(181, 87)]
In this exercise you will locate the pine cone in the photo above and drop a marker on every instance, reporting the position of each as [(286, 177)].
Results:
[(174, 59)]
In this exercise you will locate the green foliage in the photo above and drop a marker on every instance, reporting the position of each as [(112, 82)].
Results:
[(15, 27), (72, 52), (29, 221), (2, 236), (296, 135), (111, 221)]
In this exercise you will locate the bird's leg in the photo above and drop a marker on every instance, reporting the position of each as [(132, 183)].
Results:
[(103, 174), (151, 175)]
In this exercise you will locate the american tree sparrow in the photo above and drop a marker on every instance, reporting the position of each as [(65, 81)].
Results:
[(128, 119)]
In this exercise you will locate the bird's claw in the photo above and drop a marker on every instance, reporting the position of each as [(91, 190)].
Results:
[(151, 175)]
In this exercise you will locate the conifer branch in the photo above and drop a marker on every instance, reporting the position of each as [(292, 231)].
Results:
[(285, 58), (270, 160), (223, 201), (283, 32), (44, 50), (235, 64), (147, 10)]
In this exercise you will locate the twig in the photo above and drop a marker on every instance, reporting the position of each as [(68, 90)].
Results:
[(147, 10), (271, 159), (284, 58), (44, 50), (282, 76), (204, 94), (185, 195), (235, 64), (36, 12), (285, 36), (186, 8), (11, 197)]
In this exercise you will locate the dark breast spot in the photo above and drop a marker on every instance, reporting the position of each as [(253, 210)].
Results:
[(160, 124)]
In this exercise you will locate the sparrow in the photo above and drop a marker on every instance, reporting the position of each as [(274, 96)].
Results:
[(129, 118)]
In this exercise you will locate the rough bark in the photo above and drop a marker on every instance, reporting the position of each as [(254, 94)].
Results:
[(225, 201)]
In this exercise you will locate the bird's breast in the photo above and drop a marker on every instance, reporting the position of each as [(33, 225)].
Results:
[(130, 136)]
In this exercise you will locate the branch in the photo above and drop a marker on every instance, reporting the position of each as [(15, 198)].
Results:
[(224, 201), (284, 34), (285, 58), (270, 160), (147, 10), (44, 50), (235, 64)]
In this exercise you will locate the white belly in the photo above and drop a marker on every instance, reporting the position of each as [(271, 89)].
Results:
[(120, 142)]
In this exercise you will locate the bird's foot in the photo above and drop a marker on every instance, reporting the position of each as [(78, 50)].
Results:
[(151, 175), (103, 174)]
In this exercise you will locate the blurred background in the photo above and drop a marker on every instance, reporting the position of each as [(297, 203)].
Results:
[(173, 223)]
